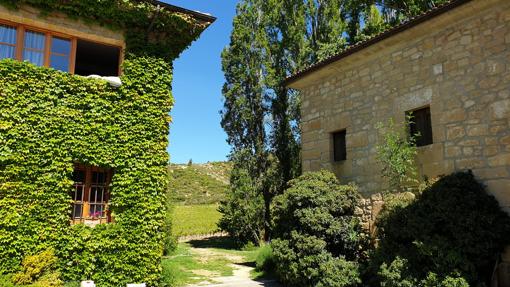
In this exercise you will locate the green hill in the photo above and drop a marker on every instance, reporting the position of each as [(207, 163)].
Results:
[(199, 183)]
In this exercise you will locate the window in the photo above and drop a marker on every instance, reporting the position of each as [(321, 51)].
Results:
[(60, 52), (96, 59), (421, 125), (90, 195), (7, 42), (339, 147)]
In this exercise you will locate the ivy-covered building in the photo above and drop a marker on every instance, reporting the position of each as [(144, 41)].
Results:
[(85, 96)]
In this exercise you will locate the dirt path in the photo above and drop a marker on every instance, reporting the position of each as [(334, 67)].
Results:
[(240, 276)]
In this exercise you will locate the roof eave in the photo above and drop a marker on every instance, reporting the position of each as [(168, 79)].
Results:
[(197, 15)]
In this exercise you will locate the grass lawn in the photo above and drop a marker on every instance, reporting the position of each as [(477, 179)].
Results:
[(195, 219)]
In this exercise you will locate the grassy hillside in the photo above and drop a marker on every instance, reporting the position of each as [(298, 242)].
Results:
[(199, 183)]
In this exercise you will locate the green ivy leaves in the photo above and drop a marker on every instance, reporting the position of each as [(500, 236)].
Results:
[(49, 120)]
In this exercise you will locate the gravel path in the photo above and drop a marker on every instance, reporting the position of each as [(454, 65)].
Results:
[(239, 278)]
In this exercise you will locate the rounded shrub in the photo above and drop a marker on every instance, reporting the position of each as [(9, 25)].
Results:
[(451, 233), (318, 238)]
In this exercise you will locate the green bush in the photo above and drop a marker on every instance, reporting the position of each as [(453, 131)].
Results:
[(265, 259), (243, 210), (318, 238), (452, 233), (39, 269)]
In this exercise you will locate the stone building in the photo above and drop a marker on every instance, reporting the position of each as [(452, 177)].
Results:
[(453, 61), (451, 66)]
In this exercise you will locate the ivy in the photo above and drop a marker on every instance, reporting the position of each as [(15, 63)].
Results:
[(149, 30), (48, 121)]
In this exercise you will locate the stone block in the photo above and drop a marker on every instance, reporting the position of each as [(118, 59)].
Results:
[(500, 189), (455, 132), (357, 140), (502, 159), (431, 153), (491, 173), (453, 151), (452, 116), (477, 130), (500, 109), (469, 163)]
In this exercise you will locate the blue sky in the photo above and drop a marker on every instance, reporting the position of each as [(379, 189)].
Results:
[(196, 132)]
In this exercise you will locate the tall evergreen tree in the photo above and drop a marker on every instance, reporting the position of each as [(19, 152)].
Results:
[(271, 40)]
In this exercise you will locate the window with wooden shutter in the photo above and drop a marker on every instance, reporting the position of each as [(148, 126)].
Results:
[(339, 146), (420, 124), (90, 195)]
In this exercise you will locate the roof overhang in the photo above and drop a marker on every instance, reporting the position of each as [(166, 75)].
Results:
[(197, 15)]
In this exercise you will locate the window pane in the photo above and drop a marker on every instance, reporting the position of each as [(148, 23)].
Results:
[(34, 48), (7, 34), (60, 63), (6, 52), (34, 40), (36, 58), (99, 178), (60, 46), (77, 211), (79, 176)]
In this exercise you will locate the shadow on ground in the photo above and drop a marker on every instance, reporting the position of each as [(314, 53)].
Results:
[(217, 242)]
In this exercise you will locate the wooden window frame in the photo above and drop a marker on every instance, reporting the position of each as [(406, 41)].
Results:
[(342, 156), (49, 34), (85, 202), (425, 138)]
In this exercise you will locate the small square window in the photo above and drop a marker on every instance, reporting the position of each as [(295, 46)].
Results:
[(339, 147), (421, 125)]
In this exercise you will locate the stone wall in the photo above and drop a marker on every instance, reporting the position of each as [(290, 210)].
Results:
[(458, 64)]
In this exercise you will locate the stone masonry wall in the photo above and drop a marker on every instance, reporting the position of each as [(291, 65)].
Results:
[(459, 66)]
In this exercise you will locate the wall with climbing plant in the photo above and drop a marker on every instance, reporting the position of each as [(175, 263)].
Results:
[(50, 120)]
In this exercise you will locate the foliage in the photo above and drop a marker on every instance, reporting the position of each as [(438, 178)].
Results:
[(40, 268), (397, 155), (265, 259), (243, 210), (49, 121), (393, 276), (303, 260), (451, 233), (198, 184), (149, 29), (195, 219), (271, 40), (169, 238), (318, 238), (244, 119)]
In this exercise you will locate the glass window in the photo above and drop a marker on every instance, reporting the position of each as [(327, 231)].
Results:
[(60, 54), (33, 49), (7, 42), (90, 195)]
